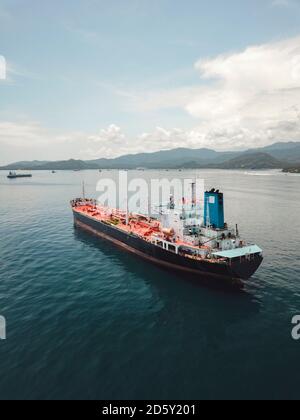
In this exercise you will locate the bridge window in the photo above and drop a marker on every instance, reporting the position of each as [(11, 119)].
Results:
[(172, 248)]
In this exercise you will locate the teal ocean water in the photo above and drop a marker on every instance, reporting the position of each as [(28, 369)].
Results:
[(88, 321)]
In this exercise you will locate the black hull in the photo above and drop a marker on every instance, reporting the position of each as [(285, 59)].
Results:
[(18, 176), (235, 271)]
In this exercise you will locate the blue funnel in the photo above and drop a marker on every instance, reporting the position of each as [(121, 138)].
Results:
[(214, 209)]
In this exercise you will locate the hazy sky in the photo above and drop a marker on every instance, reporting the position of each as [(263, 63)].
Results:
[(98, 78)]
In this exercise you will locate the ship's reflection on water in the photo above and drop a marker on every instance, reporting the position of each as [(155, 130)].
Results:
[(173, 285)]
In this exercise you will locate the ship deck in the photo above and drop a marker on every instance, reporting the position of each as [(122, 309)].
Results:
[(118, 219), (237, 262), (142, 226)]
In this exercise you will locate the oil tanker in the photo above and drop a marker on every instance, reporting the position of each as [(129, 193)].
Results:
[(186, 238)]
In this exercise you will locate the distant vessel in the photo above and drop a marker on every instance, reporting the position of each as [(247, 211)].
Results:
[(14, 175), (180, 239), (54, 172)]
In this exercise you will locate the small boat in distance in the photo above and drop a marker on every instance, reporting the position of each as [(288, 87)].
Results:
[(14, 175)]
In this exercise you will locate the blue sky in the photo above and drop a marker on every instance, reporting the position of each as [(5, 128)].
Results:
[(97, 77)]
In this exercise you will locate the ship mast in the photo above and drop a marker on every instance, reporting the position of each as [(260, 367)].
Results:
[(194, 194), (83, 190), (127, 213)]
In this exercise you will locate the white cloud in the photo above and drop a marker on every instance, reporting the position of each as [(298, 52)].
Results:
[(30, 140), (109, 142), (30, 135), (21, 134), (243, 100), (281, 3), (256, 92)]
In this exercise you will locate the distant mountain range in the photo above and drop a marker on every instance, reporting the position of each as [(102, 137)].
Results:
[(276, 156)]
